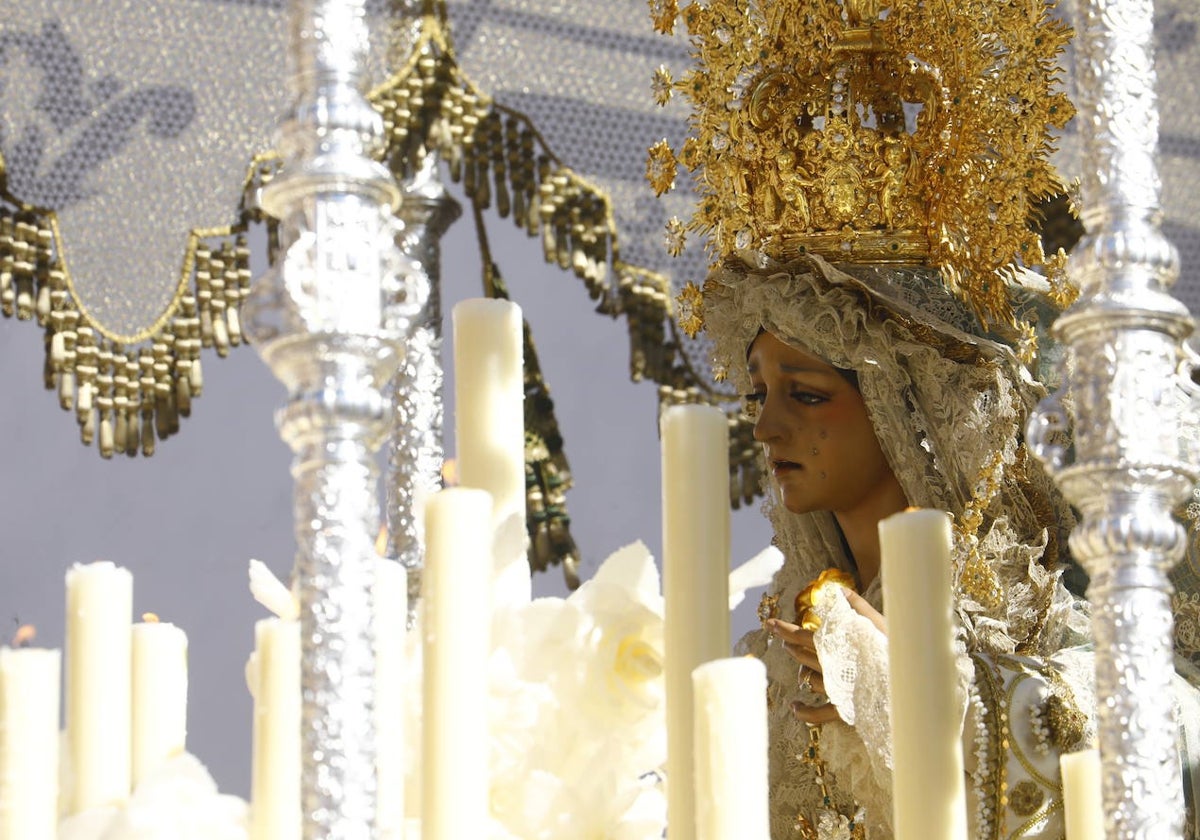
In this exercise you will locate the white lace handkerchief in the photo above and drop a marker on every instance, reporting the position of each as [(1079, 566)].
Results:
[(854, 659)]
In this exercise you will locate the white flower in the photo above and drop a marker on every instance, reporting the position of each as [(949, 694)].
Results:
[(179, 802), (574, 697), (624, 655), (527, 806), (512, 582), (576, 703), (87, 825)]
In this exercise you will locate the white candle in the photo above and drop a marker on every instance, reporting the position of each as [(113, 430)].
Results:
[(29, 705), (928, 790), (457, 619), (274, 678), (695, 477), (98, 684), (731, 749), (391, 613), (160, 685), (489, 396), (1083, 810)]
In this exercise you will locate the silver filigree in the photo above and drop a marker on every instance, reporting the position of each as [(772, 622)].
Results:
[(329, 319), (1132, 460), (417, 451)]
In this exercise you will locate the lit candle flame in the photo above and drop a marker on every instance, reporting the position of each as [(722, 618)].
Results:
[(450, 473), (24, 636), (150, 618), (381, 541)]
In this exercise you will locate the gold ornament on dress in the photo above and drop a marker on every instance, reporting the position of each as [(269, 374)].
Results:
[(768, 608), (661, 167), (663, 85), (1026, 798), (1066, 724), (691, 309), (829, 821), (903, 132), (663, 13), (980, 582)]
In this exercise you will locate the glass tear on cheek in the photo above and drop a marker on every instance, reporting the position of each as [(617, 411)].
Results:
[(822, 473), (824, 434)]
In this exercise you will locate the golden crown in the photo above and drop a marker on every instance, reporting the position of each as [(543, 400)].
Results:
[(912, 132)]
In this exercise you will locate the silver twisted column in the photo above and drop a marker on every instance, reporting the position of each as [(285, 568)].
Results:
[(417, 447), (329, 319), (1131, 463)]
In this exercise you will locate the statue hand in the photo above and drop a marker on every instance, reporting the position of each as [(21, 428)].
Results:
[(813, 706)]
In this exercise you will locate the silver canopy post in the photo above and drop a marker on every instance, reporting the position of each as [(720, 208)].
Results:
[(1131, 463), (417, 448), (330, 318)]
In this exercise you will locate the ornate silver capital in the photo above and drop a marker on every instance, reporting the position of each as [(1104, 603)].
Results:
[(1131, 461), (330, 318)]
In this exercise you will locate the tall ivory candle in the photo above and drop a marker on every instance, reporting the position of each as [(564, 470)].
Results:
[(98, 684), (457, 620), (1083, 810), (391, 612), (731, 749), (29, 704), (274, 677), (928, 790), (160, 685), (695, 477), (489, 396)]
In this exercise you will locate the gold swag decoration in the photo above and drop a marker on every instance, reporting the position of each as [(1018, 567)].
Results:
[(907, 132)]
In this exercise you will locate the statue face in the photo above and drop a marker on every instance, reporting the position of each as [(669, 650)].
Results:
[(817, 438)]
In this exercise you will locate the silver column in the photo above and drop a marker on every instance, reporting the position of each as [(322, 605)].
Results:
[(417, 446), (1131, 462), (329, 319)]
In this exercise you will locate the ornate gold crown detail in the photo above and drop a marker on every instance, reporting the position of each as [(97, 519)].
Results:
[(905, 131)]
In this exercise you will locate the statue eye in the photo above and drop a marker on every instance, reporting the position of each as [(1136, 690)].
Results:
[(808, 397)]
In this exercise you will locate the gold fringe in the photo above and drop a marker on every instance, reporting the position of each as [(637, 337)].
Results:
[(127, 390)]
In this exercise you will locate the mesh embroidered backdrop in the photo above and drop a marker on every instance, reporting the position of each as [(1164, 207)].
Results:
[(127, 133), (135, 123)]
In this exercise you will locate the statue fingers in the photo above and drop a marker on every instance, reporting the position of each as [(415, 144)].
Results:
[(823, 713)]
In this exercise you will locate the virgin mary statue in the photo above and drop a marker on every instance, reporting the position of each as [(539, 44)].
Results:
[(883, 315)]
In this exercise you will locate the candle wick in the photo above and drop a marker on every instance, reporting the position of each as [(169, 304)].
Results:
[(24, 636)]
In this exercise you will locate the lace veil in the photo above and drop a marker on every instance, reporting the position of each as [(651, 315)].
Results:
[(948, 404)]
